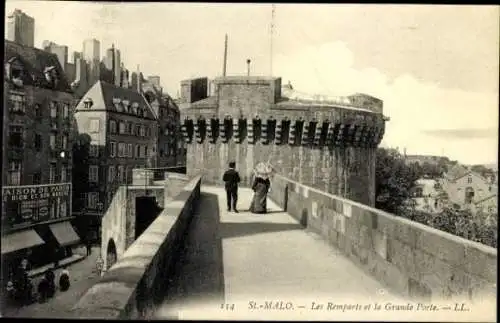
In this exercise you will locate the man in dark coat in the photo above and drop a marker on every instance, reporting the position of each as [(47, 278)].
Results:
[(231, 178), (88, 244)]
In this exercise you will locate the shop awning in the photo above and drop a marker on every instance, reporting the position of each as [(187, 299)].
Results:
[(20, 240), (64, 233)]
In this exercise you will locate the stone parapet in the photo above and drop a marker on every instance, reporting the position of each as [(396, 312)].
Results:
[(133, 286), (415, 260), (142, 176)]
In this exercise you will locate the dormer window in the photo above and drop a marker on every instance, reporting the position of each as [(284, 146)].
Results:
[(74, 85), (87, 103), (14, 71), (50, 74), (126, 104), (135, 106), (117, 103)]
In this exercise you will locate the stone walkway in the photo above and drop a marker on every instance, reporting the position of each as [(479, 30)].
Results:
[(234, 262)]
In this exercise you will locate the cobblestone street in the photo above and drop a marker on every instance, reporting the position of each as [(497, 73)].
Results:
[(83, 275)]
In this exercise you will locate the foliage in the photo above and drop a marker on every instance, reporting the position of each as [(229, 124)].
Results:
[(394, 181), (482, 170), (431, 170), (480, 228)]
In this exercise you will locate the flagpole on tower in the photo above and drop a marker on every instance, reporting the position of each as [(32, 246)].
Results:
[(272, 38)]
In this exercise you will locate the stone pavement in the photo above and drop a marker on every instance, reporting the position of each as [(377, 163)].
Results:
[(83, 275), (234, 259)]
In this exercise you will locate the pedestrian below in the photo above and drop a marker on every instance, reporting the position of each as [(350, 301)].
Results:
[(43, 288), (11, 293), (64, 282), (25, 264), (89, 246), (231, 179), (28, 296), (23, 286), (51, 285)]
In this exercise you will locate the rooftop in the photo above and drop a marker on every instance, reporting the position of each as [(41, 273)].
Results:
[(35, 63), (105, 95)]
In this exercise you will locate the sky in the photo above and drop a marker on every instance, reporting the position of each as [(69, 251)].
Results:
[(435, 67)]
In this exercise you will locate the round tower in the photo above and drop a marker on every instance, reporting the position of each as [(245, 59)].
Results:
[(326, 144)]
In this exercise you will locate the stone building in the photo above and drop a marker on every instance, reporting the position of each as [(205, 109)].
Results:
[(468, 189), (112, 61), (328, 144), (61, 52), (37, 162), (21, 28), (91, 54), (170, 152), (117, 130)]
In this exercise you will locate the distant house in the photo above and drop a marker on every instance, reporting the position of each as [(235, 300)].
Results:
[(468, 189), (428, 196), (120, 130), (459, 188), (455, 172), (421, 159)]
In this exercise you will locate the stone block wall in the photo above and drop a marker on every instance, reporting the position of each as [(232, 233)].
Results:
[(142, 177), (414, 260), (327, 146), (34, 161), (246, 96), (114, 225), (133, 287), (118, 223), (174, 184), (326, 153), (158, 192)]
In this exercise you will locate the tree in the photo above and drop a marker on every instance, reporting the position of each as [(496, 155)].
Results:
[(433, 170), (394, 181), (482, 170), (443, 164), (464, 224)]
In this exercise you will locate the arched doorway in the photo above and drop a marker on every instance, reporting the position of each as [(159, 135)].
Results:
[(110, 254)]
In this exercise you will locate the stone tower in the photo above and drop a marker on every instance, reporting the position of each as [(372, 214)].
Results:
[(326, 144)]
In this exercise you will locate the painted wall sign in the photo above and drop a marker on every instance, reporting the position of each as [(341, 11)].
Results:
[(30, 204)]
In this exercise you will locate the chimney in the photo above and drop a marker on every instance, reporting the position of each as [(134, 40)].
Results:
[(139, 81), (248, 67), (225, 57), (113, 68)]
